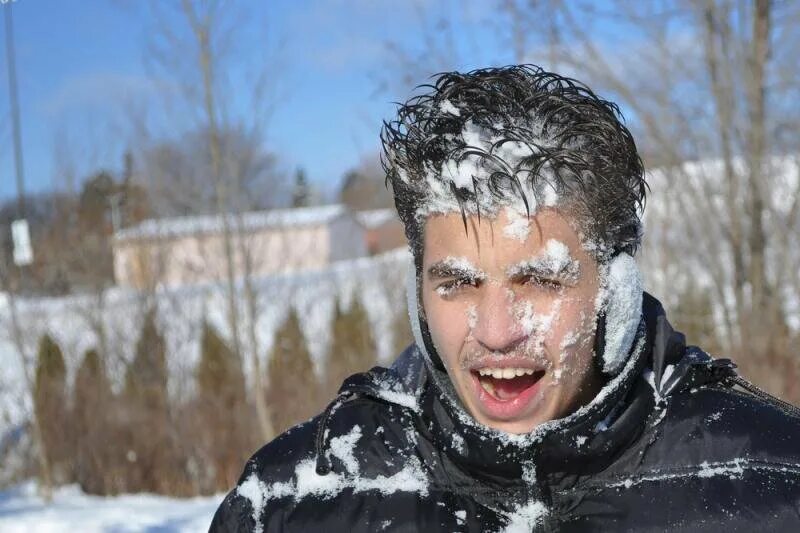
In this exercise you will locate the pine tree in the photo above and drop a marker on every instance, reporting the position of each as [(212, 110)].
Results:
[(293, 391), (49, 398), (219, 372), (401, 328), (301, 195), (147, 374), (694, 316), (223, 409), (146, 425), (352, 348), (92, 403)]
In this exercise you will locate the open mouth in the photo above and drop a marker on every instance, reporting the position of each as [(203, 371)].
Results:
[(507, 384)]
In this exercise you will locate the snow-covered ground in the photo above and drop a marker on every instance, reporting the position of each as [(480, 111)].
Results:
[(22, 510)]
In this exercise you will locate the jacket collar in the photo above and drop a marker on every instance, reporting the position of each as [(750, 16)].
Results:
[(581, 443)]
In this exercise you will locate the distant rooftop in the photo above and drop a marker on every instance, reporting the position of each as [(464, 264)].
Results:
[(376, 217), (255, 220)]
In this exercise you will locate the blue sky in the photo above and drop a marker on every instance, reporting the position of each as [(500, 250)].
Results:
[(79, 63)]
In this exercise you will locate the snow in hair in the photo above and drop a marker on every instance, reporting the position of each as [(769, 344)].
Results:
[(515, 136)]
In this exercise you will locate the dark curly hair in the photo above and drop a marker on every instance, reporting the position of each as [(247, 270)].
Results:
[(573, 142)]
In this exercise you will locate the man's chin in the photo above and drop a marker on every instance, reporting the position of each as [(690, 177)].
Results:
[(515, 427)]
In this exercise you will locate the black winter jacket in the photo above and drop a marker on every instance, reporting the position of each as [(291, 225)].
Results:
[(671, 444)]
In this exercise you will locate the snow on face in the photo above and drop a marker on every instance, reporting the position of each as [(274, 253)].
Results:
[(554, 263), (491, 300), (472, 316), (460, 268), (518, 227), (535, 326)]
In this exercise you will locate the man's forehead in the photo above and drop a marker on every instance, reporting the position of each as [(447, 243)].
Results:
[(485, 250), (508, 234)]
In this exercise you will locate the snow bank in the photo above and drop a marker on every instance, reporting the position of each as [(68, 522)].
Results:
[(677, 251), (23, 511)]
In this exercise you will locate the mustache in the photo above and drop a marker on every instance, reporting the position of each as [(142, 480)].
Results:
[(531, 351)]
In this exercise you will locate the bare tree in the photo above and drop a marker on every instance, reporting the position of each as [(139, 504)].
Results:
[(709, 88), (707, 116), (206, 37), (364, 186), (442, 45)]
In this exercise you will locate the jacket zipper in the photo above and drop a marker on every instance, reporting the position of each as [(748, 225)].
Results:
[(784, 407)]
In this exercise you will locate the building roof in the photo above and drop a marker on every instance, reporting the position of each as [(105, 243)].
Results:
[(376, 217), (250, 221)]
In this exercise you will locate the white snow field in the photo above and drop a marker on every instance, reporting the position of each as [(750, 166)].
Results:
[(23, 511)]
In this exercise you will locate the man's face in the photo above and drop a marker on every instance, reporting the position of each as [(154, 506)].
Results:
[(511, 311)]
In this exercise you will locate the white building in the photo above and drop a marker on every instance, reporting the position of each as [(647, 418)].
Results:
[(186, 250)]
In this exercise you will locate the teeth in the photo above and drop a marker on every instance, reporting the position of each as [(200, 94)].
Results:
[(505, 373)]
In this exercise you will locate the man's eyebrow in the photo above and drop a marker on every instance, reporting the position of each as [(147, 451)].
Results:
[(526, 268), (450, 268), (544, 267)]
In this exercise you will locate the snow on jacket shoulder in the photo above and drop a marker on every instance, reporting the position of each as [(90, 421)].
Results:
[(368, 454), (668, 444)]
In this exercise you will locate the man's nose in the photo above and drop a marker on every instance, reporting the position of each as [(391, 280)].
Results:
[(497, 328)]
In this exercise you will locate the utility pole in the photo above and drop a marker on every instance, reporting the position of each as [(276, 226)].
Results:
[(23, 254), (14, 100), (21, 257)]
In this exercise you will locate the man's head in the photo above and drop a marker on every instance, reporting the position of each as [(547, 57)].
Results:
[(520, 192)]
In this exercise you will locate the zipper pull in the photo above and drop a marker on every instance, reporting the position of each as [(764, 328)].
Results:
[(722, 370)]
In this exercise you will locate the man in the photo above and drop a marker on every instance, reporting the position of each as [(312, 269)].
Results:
[(545, 390)]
